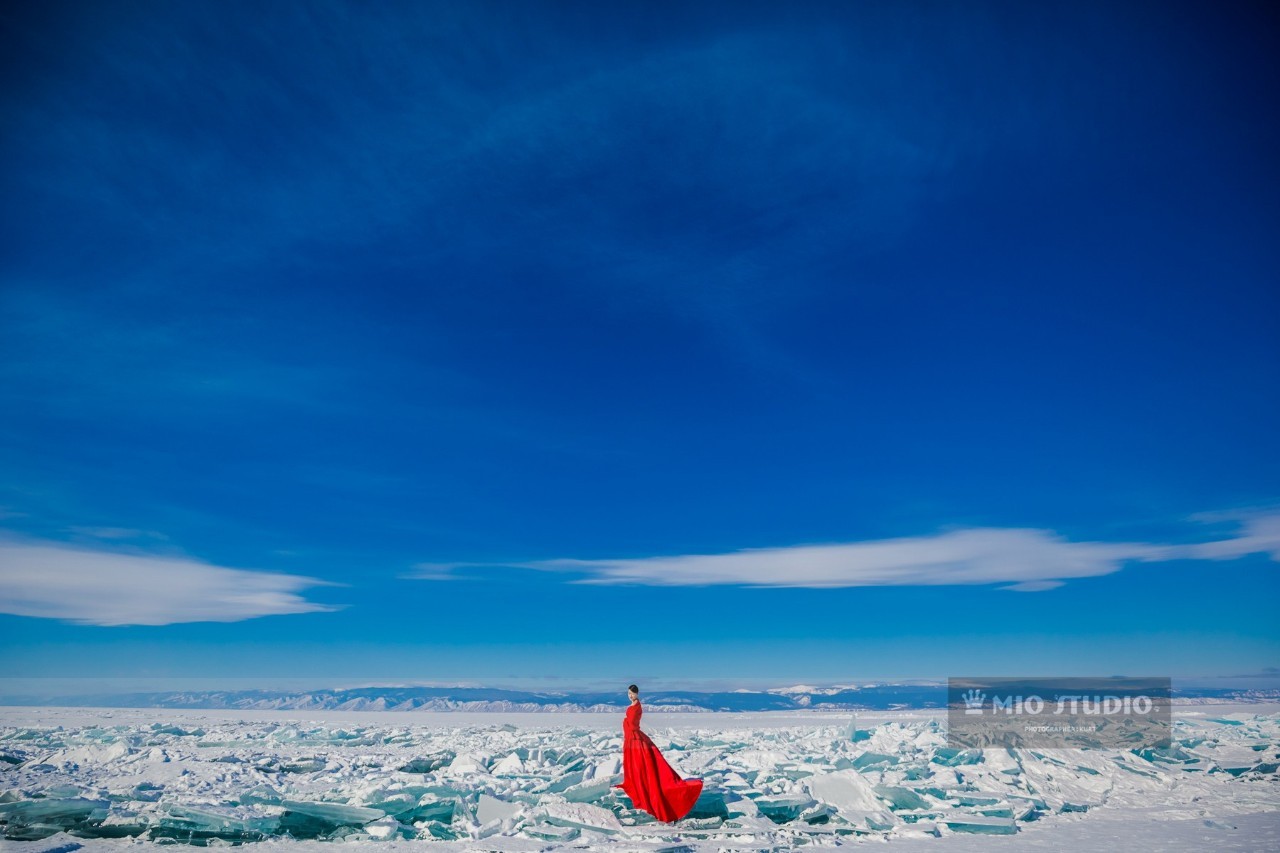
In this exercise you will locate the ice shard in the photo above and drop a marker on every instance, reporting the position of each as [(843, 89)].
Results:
[(853, 797), (581, 816), (979, 824), (32, 819)]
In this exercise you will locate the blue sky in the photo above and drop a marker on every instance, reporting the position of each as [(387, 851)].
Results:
[(662, 341)]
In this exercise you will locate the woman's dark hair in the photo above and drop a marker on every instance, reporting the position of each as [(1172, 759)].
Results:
[(634, 689)]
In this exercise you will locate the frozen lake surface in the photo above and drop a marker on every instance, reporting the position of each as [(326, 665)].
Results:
[(116, 779)]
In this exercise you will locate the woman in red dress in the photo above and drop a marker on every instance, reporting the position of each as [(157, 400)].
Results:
[(647, 777)]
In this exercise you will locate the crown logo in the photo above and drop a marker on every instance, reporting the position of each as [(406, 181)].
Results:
[(973, 700)]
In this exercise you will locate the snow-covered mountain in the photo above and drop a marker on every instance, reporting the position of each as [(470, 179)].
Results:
[(472, 698)]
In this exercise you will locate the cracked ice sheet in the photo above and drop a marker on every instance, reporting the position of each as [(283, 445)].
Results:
[(222, 768)]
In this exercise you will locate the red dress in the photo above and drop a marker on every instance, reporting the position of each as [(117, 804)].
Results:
[(648, 779)]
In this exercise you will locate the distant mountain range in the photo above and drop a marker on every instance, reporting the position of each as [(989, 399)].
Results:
[(874, 697)]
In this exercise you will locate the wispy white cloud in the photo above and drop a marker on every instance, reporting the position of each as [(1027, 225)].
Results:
[(99, 587), (1029, 560), (1025, 560), (115, 533), (1261, 535), (434, 571)]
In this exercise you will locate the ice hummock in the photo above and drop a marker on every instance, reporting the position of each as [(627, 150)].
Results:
[(211, 778)]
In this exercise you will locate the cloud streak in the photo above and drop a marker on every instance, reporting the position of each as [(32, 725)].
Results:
[(1028, 560), (1025, 560), (1261, 535), (97, 587)]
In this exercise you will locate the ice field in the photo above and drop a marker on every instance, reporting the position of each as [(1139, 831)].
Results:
[(73, 778)]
